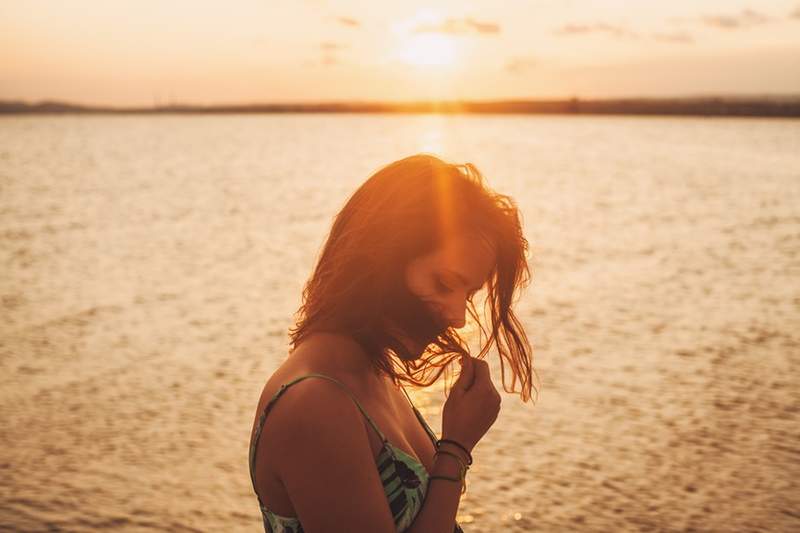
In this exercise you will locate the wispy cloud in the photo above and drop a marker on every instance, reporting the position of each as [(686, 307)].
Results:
[(621, 32), (795, 14), (680, 37), (348, 21), (330, 46), (597, 27), (329, 60), (519, 65), (744, 19), (459, 26), (328, 53), (483, 27)]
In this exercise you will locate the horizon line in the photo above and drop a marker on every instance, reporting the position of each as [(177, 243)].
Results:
[(766, 105)]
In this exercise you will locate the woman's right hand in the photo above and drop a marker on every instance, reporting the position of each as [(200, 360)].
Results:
[(473, 404)]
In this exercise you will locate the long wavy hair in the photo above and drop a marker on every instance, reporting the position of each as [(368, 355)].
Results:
[(405, 210)]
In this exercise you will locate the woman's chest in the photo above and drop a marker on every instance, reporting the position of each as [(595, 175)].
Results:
[(396, 418)]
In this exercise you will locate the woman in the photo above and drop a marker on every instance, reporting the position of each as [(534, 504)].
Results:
[(345, 449)]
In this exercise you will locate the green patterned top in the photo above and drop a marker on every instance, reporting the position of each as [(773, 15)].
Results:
[(405, 480)]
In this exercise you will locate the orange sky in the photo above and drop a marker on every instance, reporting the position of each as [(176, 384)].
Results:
[(157, 51)]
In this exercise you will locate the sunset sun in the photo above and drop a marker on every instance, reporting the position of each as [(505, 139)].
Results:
[(429, 50)]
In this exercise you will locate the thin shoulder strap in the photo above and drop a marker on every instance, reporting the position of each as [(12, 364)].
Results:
[(422, 421), (262, 418)]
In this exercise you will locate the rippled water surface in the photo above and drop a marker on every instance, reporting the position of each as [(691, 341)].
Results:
[(151, 266)]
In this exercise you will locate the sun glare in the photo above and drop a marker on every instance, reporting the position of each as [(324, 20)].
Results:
[(429, 50)]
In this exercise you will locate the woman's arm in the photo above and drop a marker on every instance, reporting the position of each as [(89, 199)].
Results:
[(319, 442), (438, 511), (327, 466)]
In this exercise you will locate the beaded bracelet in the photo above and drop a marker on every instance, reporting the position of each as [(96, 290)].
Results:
[(458, 444)]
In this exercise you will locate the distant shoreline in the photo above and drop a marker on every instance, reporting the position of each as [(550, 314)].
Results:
[(787, 107)]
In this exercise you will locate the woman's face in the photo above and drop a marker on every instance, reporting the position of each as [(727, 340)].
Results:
[(447, 278)]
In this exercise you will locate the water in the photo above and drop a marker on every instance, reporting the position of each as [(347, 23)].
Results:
[(151, 266)]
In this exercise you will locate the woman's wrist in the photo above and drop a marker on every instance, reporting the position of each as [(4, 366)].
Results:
[(455, 446), (455, 450), (450, 467)]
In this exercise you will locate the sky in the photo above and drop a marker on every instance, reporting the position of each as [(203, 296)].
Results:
[(156, 52)]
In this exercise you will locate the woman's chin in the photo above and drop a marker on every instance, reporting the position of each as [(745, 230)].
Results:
[(417, 349)]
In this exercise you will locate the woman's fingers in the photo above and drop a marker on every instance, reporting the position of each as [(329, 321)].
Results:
[(481, 371), (467, 375)]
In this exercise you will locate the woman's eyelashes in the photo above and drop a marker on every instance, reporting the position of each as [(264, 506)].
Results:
[(443, 287)]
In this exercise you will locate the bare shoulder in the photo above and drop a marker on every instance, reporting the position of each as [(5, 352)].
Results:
[(314, 437), (314, 410), (312, 402)]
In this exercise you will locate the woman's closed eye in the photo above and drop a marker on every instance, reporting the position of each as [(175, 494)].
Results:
[(443, 287)]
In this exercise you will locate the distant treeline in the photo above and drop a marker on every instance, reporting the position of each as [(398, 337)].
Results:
[(706, 106)]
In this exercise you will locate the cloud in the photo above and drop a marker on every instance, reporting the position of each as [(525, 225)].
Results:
[(483, 27), (459, 26), (597, 27), (328, 53), (674, 37), (329, 60), (329, 45), (795, 14), (621, 32), (744, 19), (519, 65), (348, 21)]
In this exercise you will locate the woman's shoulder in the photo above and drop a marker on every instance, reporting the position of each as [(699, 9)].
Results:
[(331, 355), (312, 404), (310, 418), (315, 436)]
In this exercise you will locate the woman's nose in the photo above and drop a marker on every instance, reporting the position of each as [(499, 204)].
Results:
[(454, 311)]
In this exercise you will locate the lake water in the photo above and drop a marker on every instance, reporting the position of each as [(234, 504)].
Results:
[(151, 266)]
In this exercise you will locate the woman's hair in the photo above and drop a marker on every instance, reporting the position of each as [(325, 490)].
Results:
[(407, 209)]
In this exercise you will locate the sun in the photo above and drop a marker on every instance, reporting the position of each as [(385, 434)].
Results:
[(429, 50), (424, 41)]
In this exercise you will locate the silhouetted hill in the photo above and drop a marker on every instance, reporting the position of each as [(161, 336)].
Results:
[(701, 106), (42, 107)]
